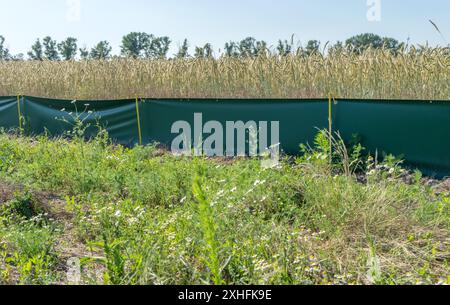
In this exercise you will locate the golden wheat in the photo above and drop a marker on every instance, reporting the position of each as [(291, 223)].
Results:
[(374, 74)]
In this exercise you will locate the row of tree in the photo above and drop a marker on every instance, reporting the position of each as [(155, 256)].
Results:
[(143, 45), (49, 49)]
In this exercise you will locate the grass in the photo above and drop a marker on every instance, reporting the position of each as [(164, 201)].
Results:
[(412, 74), (142, 216)]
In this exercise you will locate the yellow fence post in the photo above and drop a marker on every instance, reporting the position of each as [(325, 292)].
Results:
[(138, 121), (330, 124), (19, 112)]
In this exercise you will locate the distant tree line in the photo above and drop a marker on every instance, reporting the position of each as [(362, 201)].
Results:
[(148, 46)]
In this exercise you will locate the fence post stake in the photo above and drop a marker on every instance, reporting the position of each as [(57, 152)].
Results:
[(330, 124), (19, 112), (138, 121)]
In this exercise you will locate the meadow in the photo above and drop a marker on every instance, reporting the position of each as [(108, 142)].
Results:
[(376, 73), (142, 216)]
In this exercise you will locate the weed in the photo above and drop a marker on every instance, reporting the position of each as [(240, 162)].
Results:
[(208, 228), (153, 218)]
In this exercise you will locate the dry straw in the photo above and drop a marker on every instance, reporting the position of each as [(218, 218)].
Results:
[(415, 74)]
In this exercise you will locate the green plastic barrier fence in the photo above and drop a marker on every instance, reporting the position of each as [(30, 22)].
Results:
[(299, 121), (9, 112), (57, 117), (417, 130)]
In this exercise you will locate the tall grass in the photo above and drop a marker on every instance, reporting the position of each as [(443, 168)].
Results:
[(208, 228), (153, 218), (411, 74)]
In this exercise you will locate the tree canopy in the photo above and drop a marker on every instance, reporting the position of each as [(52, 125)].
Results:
[(4, 52), (362, 42), (50, 49), (102, 50), (68, 48), (148, 46)]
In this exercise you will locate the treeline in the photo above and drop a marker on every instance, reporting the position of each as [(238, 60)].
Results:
[(142, 45)]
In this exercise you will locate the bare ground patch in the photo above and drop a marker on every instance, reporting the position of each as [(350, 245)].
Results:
[(67, 245)]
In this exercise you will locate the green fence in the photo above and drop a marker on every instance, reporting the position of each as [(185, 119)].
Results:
[(56, 117), (417, 130), (9, 109)]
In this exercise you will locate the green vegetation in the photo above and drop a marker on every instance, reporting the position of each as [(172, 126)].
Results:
[(143, 216), (364, 66), (143, 45), (416, 74)]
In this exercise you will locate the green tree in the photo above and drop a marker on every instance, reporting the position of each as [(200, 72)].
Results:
[(392, 44), (157, 47), (50, 48), (101, 51), (84, 53), (204, 52), (312, 47), (338, 47), (250, 47), (231, 49), (247, 47), (359, 43), (208, 50), (68, 48), (199, 52), (4, 52), (18, 57), (261, 48), (36, 52), (284, 48), (183, 50), (134, 44)]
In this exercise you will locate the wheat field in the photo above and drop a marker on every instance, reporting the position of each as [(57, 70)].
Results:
[(414, 74)]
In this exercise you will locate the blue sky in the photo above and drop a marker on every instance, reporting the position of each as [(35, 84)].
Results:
[(201, 21)]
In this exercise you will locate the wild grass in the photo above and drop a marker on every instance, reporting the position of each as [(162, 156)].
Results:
[(147, 217), (411, 74)]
